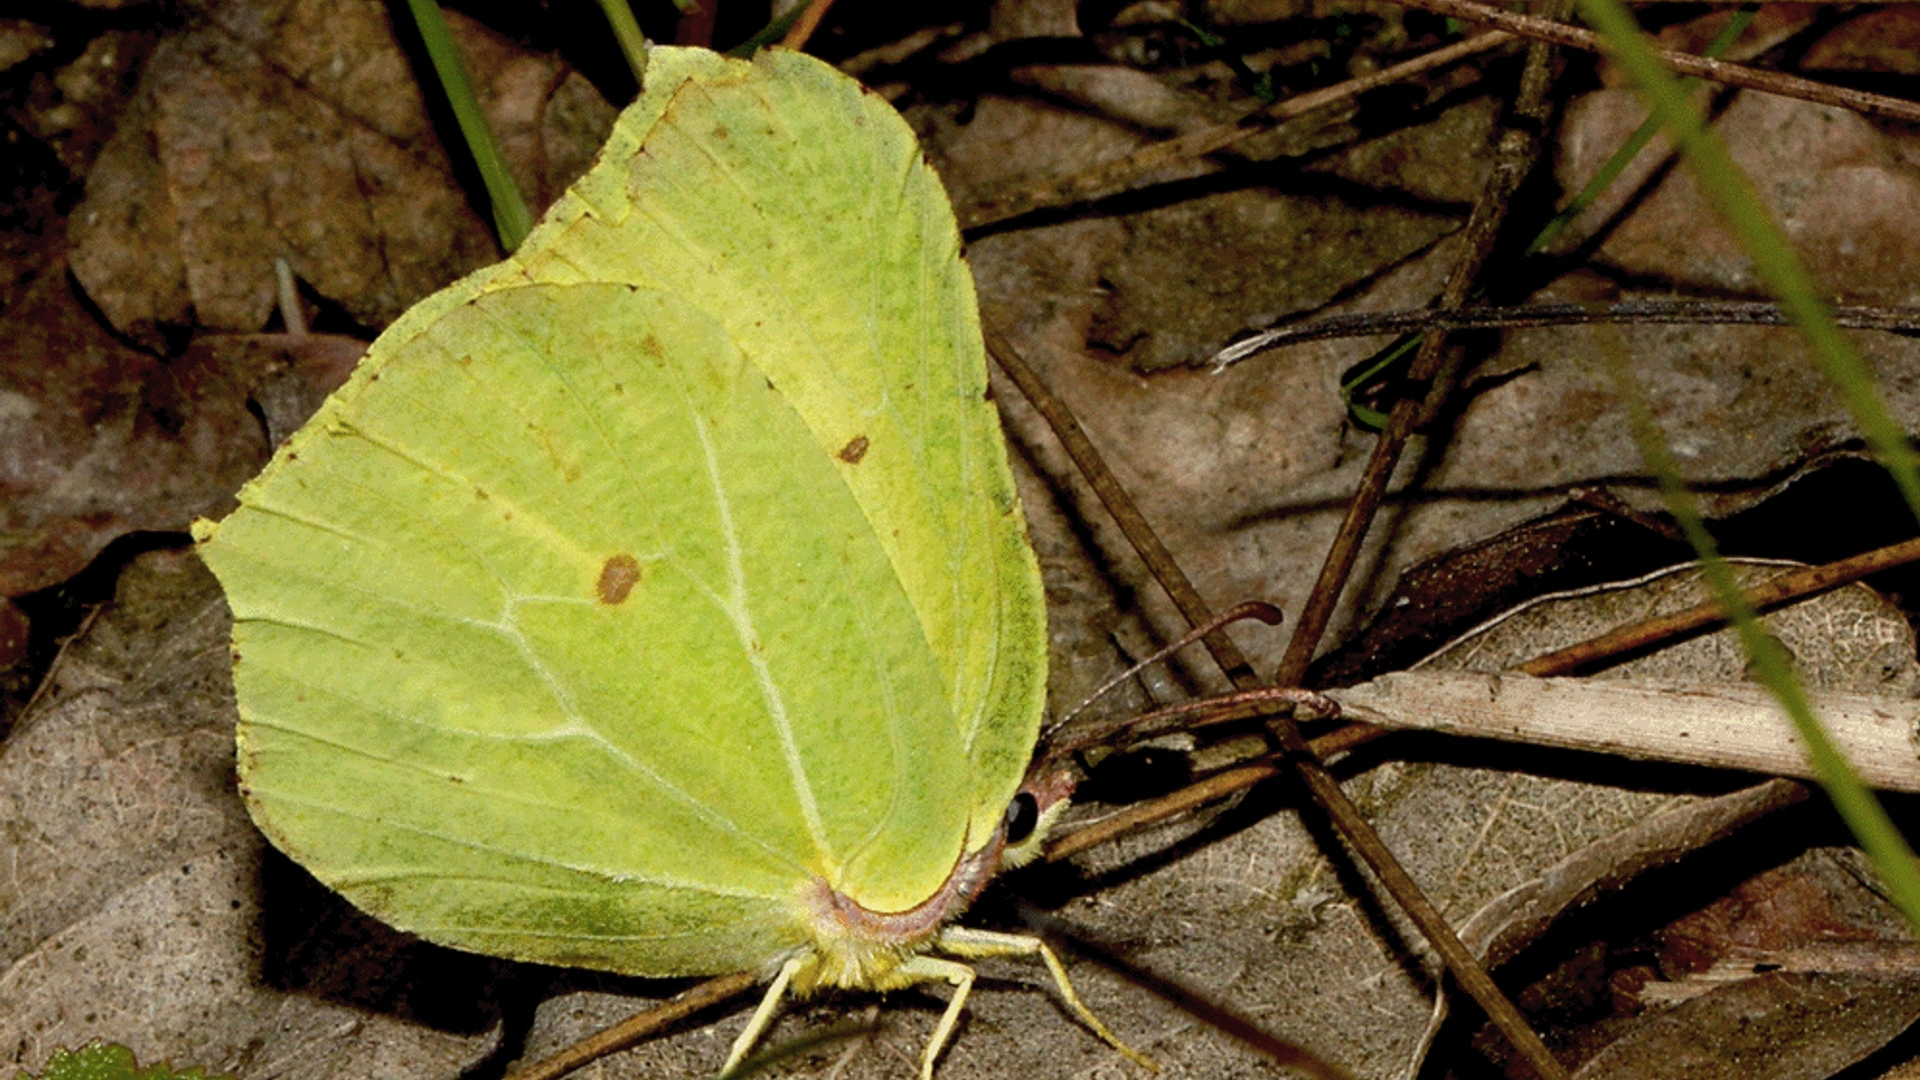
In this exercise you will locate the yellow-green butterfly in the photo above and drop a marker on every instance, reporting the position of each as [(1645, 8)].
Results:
[(658, 599)]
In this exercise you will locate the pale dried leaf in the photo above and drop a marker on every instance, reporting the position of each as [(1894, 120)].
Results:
[(132, 895)]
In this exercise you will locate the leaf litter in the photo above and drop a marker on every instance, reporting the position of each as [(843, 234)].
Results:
[(1244, 473)]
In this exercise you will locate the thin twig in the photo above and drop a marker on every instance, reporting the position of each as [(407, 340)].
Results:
[(1899, 320), (1786, 588), (1263, 701), (1193, 796), (1114, 497), (1118, 175), (1518, 149), (1438, 367), (1251, 609), (803, 27), (1780, 590), (639, 1026), (1319, 783), (1720, 71)]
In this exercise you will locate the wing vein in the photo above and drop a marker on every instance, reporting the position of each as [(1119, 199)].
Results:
[(739, 611)]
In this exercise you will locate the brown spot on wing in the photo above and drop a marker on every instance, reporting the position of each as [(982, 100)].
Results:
[(618, 576), (855, 449)]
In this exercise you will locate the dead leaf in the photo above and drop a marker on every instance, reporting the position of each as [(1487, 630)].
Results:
[(1837, 185), (1781, 1026), (296, 129), (132, 906), (1878, 39), (103, 439), (20, 41)]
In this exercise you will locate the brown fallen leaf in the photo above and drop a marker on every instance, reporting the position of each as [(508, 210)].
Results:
[(1842, 188), (1778, 1026), (297, 129), (103, 439), (1878, 39), (140, 905)]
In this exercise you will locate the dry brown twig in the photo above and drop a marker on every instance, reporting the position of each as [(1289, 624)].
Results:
[(1146, 543), (1319, 783), (1118, 175), (1525, 316), (1785, 588), (638, 1027), (1720, 71), (804, 26)]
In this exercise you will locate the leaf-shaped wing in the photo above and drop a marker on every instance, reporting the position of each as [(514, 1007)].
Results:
[(638, 581), (797, 208)]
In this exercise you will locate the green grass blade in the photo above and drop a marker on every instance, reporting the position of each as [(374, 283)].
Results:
[(1732, 195), (1623, 157), (1771, 663), (626, 31), (770, 34), (1401, 351), (511, 218)]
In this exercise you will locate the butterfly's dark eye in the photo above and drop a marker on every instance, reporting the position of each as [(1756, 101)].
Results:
[(1023, 813)]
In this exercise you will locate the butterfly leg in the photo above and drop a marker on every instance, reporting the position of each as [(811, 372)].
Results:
[(763, 1016), (925, 968), (978, 944)]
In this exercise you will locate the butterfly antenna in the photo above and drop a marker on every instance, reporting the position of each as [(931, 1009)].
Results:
[(1323, 708), (1251, 609)]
